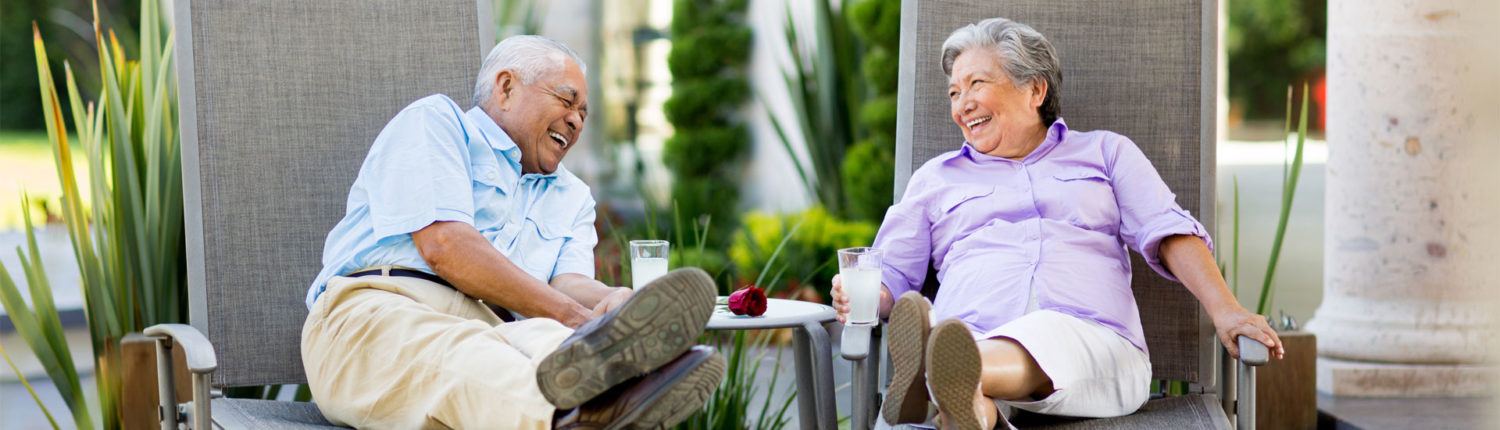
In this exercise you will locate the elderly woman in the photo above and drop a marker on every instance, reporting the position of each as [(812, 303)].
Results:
[(1025, 223)]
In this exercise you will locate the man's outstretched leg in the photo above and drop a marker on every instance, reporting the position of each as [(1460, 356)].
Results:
[(658, 324), (660, 399)]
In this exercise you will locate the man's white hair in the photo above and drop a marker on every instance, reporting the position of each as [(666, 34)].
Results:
[(526, 56)]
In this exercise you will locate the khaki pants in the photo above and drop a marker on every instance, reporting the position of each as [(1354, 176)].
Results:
[(398, 352)]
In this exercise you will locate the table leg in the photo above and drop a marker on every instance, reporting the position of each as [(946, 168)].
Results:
[(807, 407), (822, 351)]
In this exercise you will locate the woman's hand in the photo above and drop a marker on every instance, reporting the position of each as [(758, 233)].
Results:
[(1236, 321), (841, 301)]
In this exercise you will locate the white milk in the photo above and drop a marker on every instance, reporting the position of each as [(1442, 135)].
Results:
[(863, 287), (645, 270)]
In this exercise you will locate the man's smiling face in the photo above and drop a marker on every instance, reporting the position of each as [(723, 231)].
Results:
[(544, 117)]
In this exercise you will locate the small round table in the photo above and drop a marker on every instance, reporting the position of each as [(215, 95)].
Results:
[(813, 352)]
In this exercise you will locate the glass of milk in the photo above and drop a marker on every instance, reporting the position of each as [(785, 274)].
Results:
[(860, 270), (648, 261)]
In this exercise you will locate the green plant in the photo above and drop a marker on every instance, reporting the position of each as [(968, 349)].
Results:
[(729, 407), (710, 44), (514, 17), (812, 240), (868, 170), (823, 84), (1291, 172), (1270, 44), (1288, 191), (129, 247)]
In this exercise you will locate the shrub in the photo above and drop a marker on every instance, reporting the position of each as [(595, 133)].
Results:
[(710, 44), (809, 257)]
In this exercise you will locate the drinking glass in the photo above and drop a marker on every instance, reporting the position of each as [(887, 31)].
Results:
[(648, 261), (860, 270)]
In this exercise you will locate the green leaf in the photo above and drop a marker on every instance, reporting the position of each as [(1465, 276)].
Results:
[(34, 397), (1288, 193)]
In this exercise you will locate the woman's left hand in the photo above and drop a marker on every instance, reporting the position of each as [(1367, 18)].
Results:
[(1231, 323)]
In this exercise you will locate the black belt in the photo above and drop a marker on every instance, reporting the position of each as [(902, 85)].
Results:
[(408, 273)]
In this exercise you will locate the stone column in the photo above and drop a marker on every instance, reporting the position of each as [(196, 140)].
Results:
[(1410, 230)]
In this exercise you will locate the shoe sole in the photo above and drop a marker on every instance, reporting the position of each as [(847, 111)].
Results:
[(686, 397), (655, 326), (906, 400), (954, 378)]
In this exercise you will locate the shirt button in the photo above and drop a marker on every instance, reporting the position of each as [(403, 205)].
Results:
[(491, 176)]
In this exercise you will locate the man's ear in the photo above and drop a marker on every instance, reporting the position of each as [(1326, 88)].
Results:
[(505, 86)]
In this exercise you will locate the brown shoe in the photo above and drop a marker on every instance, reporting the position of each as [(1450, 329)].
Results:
[(953, 370), (906, 400), (657, 324), (659, 400)]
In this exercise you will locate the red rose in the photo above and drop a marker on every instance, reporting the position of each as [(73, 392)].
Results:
[(748, 301)]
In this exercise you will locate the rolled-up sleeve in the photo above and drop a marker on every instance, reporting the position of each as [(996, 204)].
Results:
[(417, 173), (577, 253), (905, 242), (1149, 212)]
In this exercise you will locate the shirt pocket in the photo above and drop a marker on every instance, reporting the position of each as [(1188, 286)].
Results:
[(963, 207), (961, 196), (541, 243), (490, 192), (1088, 199)]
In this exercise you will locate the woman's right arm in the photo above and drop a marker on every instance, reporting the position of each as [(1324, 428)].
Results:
[(905, 242)]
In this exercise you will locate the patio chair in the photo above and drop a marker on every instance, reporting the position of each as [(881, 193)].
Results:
[(280, 101), (1145, 70)]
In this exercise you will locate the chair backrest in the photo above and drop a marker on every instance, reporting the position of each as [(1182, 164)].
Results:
[(280, 101), (1144, 69)]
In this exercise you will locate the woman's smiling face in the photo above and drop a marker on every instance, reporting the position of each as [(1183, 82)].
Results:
[(997, 117)]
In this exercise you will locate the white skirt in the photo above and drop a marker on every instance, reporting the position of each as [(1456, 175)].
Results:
[(1095, 372)]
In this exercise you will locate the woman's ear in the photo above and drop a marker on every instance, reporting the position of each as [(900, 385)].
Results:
[(1038, 92)]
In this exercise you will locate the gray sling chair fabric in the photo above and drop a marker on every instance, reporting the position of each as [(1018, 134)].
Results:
[(1142, 69), (279, 103)]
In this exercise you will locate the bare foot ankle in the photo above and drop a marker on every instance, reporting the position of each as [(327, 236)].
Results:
[(984, 409)]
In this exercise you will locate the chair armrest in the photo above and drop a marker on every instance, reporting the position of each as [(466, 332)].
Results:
[(854, 343), (1252, 352), (201, 362), (195, 347)]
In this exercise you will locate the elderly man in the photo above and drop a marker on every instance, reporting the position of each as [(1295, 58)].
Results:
[(454, 209)]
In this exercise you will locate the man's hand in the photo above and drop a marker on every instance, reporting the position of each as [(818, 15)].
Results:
[(462, 256), (1231, 323), (612, 301)]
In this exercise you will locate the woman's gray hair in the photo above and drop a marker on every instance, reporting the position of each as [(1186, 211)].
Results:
[(528, 57), (1028, 57)]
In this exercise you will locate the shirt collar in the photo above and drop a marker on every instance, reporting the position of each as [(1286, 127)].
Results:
[(503, 144), (1055, 134), (493, 135)]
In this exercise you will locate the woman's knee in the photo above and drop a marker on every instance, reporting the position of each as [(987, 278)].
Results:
[(1010, 372)]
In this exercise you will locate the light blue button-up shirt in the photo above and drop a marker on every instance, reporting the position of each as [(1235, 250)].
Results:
[(1054, 226), (435, 162)]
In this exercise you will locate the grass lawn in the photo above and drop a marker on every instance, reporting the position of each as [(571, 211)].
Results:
[(26, 163)]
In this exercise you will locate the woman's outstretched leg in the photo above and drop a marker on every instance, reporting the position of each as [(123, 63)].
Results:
[(1009, 371)]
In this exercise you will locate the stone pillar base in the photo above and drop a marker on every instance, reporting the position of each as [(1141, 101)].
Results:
[(1343, 378)]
